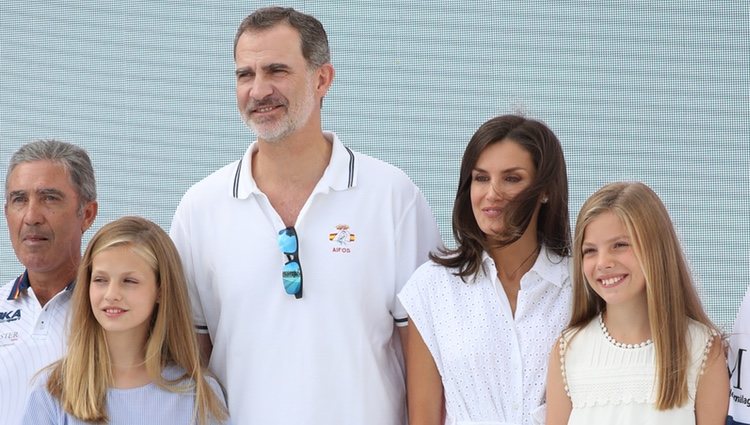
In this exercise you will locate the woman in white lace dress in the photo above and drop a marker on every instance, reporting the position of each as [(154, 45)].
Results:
[(639, 348), (483, 317)]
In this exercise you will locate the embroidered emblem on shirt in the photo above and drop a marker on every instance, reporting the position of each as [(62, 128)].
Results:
[(341, 238), (10, 316)]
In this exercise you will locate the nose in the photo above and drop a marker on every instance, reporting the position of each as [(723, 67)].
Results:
[(113, 292), (604, 261), (493, 193), (34, 214), (261, 88)]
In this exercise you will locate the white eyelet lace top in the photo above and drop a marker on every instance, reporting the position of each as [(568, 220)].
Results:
[(493, 364)]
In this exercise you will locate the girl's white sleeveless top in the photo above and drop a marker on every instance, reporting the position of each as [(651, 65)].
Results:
[(616, 385)]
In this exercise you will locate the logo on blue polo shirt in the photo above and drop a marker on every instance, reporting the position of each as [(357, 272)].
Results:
[(10, 316)]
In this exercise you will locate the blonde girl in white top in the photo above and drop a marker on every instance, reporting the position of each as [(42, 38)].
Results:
[(639, 347)]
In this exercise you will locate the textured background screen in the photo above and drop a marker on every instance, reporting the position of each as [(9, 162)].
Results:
[(650, 91)]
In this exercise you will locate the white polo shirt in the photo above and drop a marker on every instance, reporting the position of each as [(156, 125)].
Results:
[(332, 356), (739, 366), (31, 337)]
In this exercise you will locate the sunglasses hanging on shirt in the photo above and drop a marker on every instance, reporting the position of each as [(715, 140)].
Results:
[(291, 274)]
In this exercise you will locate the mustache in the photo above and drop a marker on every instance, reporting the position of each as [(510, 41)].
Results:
[(35, 233), (254, 104)]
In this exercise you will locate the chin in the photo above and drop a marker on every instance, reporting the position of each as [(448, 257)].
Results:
[(271, 135)]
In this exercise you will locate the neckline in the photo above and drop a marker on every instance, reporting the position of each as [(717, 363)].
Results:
[(617, 343), (132, 389)]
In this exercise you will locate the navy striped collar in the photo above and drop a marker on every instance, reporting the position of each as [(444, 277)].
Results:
[(22, 284), (341, 173)]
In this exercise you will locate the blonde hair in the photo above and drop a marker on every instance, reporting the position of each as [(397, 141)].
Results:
[(670, 292), (80, 379)]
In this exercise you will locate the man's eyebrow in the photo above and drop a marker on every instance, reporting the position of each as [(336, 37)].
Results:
[(51, 191), (242, 70), (276, 66), (45, 191), (15, 193)]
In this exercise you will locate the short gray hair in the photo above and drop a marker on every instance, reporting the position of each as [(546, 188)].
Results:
[(75, 160), (314, 39)]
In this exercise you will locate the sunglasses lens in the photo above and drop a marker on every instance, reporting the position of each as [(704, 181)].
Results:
[(292, 277), (287, 241), (291, 274)]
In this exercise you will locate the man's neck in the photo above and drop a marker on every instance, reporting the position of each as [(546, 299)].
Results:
[(287, 171), (48, 284), (300, 157)]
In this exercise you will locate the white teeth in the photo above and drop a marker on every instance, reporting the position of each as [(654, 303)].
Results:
[(611, 281), (264, 109), (113, 310)]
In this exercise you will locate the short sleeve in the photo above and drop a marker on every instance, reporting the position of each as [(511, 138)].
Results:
[(180, 234), (42, 408), (417, 236), (415, 298)]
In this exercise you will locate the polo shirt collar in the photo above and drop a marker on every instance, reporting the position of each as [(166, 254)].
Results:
[(548, 265), (22, 284), (341, 173)]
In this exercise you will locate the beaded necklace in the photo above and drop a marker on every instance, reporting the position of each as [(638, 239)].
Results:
[(617, 343)]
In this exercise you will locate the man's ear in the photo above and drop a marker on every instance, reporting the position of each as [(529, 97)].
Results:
[(324, 79), (89, 214)]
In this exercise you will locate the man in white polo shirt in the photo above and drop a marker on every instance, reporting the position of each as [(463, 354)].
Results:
[(50, 201), (294, 254)]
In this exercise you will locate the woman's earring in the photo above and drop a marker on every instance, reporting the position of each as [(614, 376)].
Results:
[(545, 199)]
